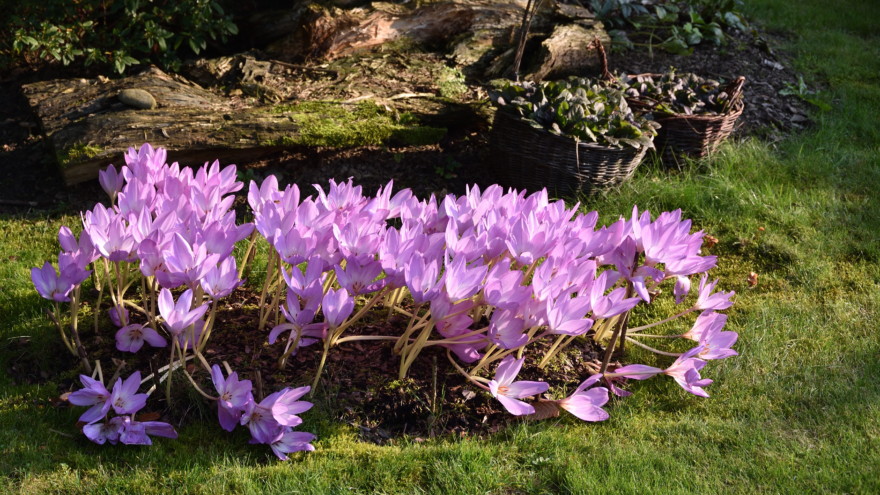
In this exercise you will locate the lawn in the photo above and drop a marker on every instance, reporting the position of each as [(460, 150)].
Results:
[(798, 411)]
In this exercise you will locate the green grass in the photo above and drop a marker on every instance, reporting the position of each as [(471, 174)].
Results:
[(797, 412)]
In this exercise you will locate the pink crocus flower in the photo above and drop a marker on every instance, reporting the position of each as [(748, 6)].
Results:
[(508, 391), (587, 404), (124, 398), (685, 371)]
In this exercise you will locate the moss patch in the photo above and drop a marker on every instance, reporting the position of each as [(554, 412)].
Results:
[(77, 153), (336, 125)]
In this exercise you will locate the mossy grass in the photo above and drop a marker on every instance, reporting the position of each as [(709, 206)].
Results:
[(365, 123), (797, 412)]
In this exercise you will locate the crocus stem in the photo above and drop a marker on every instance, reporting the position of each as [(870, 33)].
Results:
[(354, 338), (99, 283), (74, 331), (357, 316), (410, 328), (248, 255), (657, 351), (665, 320), (648, 335), (415, 348), (170, 370), (317, 378), (618, 329), (555, 349), (55, 318), (470, 378), (270, 271)]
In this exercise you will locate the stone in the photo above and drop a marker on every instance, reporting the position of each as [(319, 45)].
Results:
[(137, 98)]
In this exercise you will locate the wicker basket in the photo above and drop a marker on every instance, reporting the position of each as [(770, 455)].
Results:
[(530, 158), (696, 136), (679, 135)]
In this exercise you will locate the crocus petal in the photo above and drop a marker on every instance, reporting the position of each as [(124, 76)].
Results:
[(522, 389), (637, 371), (153, 338), (584, 408), (515, 407)]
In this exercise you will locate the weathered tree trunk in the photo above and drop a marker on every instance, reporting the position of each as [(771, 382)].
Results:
[(89, 128)]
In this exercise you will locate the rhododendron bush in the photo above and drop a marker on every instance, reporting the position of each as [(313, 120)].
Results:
[(496, 278)]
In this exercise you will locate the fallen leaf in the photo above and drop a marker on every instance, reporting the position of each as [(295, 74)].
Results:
[(753, 279), (709, 241), (543, 409)]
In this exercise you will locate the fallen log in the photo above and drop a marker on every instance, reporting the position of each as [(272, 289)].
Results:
[(90, 128)]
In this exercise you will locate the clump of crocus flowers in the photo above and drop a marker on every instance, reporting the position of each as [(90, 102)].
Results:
[(486, 276)]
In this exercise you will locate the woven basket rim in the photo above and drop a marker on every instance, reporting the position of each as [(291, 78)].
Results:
[(736, 108)]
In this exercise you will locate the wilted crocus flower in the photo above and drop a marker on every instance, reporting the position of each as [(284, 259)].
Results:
[(587, 404), (292, 441), (508, 391), (93, 394), (106, 431), (137, 432), (685, 371)]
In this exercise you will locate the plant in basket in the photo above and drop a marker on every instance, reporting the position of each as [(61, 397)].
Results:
[(573, 135), (695, 113)]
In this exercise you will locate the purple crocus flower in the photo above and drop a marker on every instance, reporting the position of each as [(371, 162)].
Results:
[(292, 441), (685, 371), (508, 391), (111, 181), (707, 300), (93, 394), (178, 316), (234, 395), (285, 405), (131, 338), (106, 431), (614, 303), (716, 344), (263, 426), (337, 306), (462, 281), (221, 280), (587, 404), (124, 398), (707, 323), (565, 315), (133, 432), (50, 284), (118, 315)]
